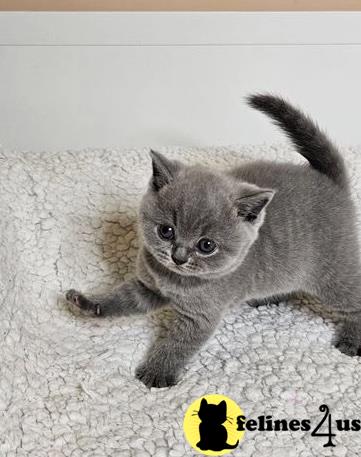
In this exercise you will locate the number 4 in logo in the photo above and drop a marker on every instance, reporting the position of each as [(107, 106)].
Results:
[(329, 434)]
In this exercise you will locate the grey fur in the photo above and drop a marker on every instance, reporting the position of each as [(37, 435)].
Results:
[(279, 229)]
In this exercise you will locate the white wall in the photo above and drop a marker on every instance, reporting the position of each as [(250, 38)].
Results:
[(71, 80)]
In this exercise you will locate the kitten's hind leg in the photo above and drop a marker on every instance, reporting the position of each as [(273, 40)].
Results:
[(272, 300), (344, 298), (348, 339)]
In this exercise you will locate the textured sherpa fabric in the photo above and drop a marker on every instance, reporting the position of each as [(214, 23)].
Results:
[(67, 385)]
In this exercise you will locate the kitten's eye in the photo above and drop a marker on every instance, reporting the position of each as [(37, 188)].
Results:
[(206, 246), (166, 232)]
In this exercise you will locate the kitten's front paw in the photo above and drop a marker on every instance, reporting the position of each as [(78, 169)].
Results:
[(80, 301), (153, 377)]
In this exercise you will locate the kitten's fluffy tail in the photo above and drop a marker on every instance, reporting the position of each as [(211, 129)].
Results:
[(306, 136)]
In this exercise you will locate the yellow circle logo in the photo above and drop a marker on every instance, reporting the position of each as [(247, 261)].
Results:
[(210, 425)]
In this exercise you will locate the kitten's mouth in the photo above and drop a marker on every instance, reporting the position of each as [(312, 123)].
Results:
[(189, 270), (180, 269), (166, 262), (184, 269)]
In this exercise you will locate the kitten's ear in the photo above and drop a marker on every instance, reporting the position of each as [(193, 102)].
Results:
[(163, 170), (252, 202), (204, 403)]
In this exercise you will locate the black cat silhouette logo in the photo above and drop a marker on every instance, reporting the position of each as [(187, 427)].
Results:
[(210, 425), (213, 434)]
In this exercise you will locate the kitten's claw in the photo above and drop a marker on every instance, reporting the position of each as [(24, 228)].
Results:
[(151, 377), (72, 296), (80, 301)]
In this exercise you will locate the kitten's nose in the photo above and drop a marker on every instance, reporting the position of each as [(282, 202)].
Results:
[(179, 256)]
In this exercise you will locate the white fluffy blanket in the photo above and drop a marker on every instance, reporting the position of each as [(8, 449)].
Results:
[(67, 385)]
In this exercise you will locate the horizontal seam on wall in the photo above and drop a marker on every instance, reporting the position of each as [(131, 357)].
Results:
[(171, 45)]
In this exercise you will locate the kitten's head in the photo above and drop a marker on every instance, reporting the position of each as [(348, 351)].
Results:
[(198, 222), (215, 414)]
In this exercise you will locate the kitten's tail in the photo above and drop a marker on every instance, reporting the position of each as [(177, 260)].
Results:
[(230, 446), (306, 136)]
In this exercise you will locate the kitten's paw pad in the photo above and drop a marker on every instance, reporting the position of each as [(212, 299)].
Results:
[(348, 348), (80, 301), (151, 377)]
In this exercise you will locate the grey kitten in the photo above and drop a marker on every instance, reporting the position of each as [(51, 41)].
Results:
[(263, 229)]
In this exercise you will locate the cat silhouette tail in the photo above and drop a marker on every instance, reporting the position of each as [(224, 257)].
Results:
[(229, 446)]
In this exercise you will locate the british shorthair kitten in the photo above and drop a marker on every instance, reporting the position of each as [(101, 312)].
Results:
[(260, 230)]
